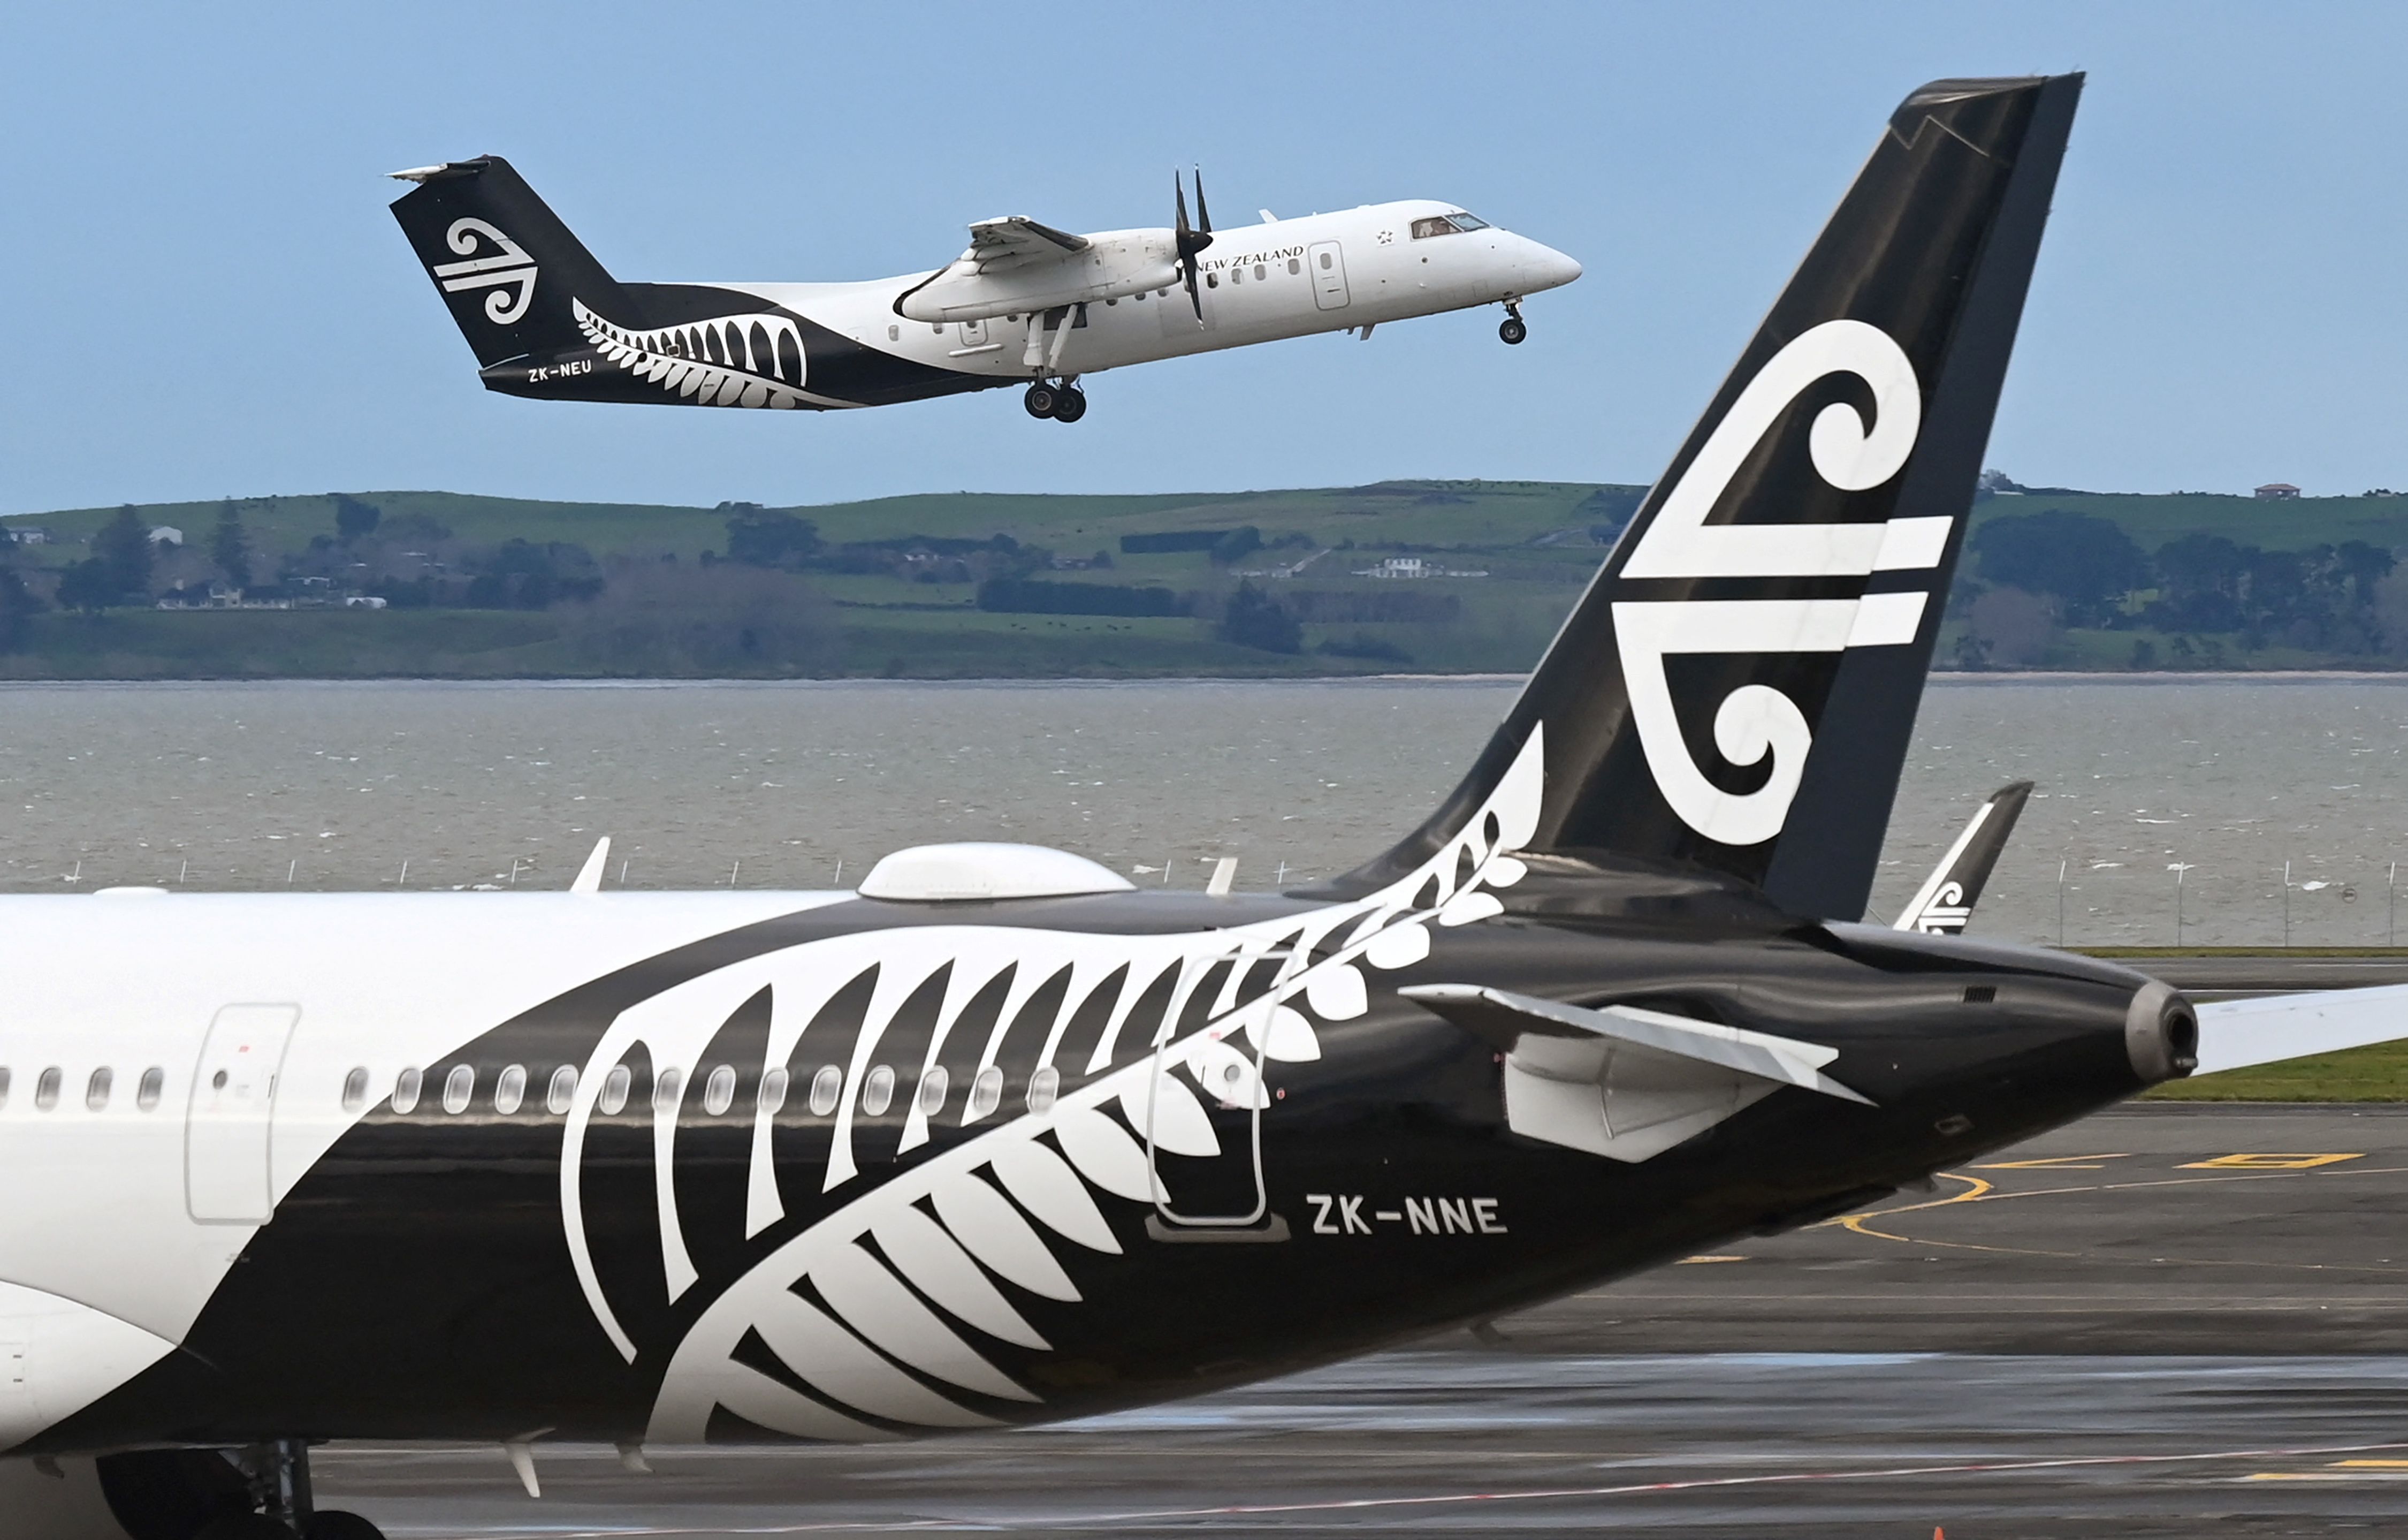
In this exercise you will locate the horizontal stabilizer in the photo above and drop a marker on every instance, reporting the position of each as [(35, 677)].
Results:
[(1622, 1082), (2234, 1034), (1504, 1019)]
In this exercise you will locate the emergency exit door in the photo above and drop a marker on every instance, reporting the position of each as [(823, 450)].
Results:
[(1328, 264), (231, 1111)]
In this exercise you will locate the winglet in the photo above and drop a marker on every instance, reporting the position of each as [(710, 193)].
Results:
[(589, 876)]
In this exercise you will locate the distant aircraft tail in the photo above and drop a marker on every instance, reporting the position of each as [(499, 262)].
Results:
[(508, 269), (1736, 688), (1943, 905)]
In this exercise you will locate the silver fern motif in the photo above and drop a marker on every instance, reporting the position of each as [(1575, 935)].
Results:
[(1003, 1210), (751, 360)]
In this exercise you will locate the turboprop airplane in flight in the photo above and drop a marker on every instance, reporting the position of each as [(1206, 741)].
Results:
[(997, 1137), (1026, 304)]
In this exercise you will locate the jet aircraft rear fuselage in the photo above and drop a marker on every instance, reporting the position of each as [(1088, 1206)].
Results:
[(715, 1135)]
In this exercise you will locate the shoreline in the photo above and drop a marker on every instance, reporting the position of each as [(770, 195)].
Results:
[(1938, 677)]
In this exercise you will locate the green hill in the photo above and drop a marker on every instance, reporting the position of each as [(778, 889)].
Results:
[(967, 584)]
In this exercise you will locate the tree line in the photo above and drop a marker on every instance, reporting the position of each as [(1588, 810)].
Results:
[(2032, 574)]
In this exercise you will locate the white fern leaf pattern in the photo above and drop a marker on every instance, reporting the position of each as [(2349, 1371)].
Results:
[(916, 1267), (751, 360)]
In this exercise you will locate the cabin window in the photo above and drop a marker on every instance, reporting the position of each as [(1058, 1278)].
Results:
[(938, 326), (562, 1092), (1236, 275), (1043, 1087), (96, 1090), (773, 1091), (1211, 280), (146, 1095), (355, 1090), (1261, 272), (510, 1090), (614, 1089), (1324, 262), (3, 1088), (1293, 267), (666, 1090), (1140, 294), (826, 1087), (1112, 299), (878, 1090), (986, 1093), (894, 333), (45, 1089), (404, 1090), (458, 1087), (719, 1091), (933, 1086)]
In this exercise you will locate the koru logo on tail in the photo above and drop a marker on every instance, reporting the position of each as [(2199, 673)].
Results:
[(1757, 720), (495, 261)]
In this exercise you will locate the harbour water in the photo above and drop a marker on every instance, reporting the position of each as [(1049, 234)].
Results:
[(317, 786)]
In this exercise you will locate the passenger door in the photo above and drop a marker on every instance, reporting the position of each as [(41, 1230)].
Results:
[(1206, 1151), (233, 1105), (1327, 263)]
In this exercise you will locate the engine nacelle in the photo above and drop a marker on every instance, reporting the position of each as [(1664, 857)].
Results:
[(1113, 267)]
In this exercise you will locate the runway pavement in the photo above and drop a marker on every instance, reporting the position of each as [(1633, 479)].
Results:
[(2162, 1317)]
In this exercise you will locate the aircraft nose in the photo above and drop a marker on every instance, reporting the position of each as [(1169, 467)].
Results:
[(1544, 267)]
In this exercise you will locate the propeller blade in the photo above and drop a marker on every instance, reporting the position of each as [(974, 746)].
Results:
[(1203, 215), (1189, 240)]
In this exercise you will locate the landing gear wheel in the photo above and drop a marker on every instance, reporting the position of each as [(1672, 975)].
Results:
[(336, 1524), (1512, 330), (244, 1526), (1041, 400), (1071, 406)]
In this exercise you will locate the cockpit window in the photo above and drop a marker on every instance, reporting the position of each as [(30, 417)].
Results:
[(1447, 224)]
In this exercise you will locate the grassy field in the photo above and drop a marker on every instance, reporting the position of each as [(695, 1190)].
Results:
[(2379, 1074), (1531, 540)]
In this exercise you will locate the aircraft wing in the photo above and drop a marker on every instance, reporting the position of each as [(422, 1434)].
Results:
[(1000, 245), (2234, 1034)]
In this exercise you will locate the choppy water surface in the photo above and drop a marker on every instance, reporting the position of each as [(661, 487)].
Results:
[(250, 787)]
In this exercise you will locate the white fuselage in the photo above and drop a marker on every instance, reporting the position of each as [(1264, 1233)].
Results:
[(1262, 283)]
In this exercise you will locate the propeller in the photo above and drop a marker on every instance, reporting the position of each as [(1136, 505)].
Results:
[(1192, 239)]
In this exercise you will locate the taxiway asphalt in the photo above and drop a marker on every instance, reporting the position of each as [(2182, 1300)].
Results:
[(2161, 1318)]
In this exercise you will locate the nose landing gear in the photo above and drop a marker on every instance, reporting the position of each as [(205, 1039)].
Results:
[(1513, 329), (1062, 400)]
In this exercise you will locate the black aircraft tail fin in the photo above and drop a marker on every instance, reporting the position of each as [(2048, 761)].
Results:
[(1736, 688), (1943, 905), (509, 270)]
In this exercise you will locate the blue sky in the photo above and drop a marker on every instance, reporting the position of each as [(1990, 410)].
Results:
[(210, 298)]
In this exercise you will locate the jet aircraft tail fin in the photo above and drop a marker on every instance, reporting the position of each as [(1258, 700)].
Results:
[(506, 266), (1943, 905), (1736, 688)]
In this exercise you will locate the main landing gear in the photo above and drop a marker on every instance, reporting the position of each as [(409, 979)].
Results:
[(1061, 400), (259, 1493), (1513, 329)]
